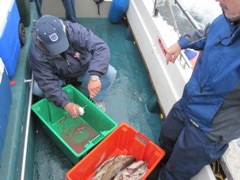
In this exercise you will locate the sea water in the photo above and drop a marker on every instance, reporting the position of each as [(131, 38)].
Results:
[(203, 12)]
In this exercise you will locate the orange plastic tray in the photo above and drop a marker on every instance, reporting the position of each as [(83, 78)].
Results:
[(123, 140)]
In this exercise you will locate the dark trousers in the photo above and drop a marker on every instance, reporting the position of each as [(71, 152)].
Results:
[(188, 148), (69, 6)]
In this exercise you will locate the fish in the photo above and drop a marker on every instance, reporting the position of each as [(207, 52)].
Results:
[(117, 166), (102, 169), (134, 171), (112, 166), (81, 110), (140, 172)]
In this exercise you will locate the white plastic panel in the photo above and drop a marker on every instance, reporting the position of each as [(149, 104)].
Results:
[(5, 9)]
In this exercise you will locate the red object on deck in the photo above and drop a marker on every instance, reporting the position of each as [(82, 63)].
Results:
[(13, 83), (123, 140)]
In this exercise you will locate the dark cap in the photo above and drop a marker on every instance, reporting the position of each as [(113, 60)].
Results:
[(50, 31)]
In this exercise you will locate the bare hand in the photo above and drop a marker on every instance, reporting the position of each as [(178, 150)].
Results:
[(94, 88), (71, 108), (172, 53)]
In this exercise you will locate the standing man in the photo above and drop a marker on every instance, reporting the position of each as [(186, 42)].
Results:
[(63, 52), (69, 6), (200, 125)]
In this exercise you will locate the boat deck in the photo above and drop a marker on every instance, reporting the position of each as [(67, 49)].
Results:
[(131, 99), (128, 100)]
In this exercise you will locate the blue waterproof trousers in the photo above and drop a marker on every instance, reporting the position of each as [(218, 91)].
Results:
[(188, 148), (69, 6)]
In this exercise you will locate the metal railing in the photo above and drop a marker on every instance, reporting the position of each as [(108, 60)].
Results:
[(194, 23), (182, 58), (27, 127)]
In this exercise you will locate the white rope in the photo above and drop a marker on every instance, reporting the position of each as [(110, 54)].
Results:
[(173, 16)]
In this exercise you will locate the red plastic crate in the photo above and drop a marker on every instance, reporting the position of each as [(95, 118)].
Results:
[(123, 140)]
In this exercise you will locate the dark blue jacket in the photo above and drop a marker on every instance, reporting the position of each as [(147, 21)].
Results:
[(86, 52), (212, 96)]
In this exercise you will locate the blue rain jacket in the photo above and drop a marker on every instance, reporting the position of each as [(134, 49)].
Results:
[(216, 75), (86, 53)]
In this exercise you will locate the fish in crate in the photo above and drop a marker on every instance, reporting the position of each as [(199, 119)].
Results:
[(121, 167)]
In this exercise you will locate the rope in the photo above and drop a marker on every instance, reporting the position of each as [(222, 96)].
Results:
[(174, 19)]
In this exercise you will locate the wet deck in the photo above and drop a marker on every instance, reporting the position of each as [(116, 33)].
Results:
[(127, 101)]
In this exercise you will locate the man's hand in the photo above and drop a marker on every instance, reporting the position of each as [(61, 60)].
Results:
[(172, 53), (94, 87), (71, 108)]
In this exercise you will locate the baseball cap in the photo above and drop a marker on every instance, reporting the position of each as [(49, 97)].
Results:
[(50, 31)]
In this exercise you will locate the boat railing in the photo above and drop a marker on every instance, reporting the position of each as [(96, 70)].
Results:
[(194, 23), (190, 18), (25, 147), (184, 61)]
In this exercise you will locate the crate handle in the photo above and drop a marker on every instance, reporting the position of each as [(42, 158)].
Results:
[(142, 138), (97, 139)]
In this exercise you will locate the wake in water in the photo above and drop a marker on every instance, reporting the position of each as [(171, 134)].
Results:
[(203, 12)]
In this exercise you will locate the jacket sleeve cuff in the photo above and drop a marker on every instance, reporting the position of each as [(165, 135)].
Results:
[(95, 73), (183, 42), (64, 104)]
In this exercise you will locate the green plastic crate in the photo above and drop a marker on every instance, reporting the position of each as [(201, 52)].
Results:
[(74, 136)]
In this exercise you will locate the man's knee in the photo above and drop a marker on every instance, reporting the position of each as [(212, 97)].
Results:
[(36, 90), (112, 73)]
